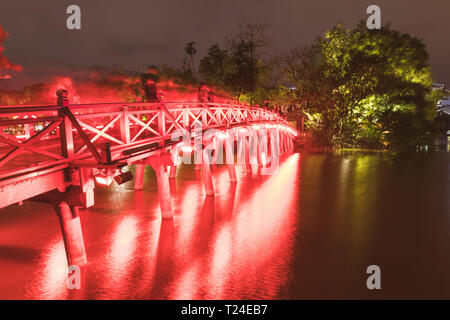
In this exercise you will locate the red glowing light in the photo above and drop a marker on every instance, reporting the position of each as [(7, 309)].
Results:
[(104, 181)]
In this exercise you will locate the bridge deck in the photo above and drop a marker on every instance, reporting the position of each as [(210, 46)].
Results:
[(54, 138)]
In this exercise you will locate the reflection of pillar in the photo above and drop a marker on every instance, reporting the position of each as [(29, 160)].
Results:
[(162, 177), (274, 145), (175, 152), (216, 150), (72, 234), (173, 172), (198, 158), (254, 147), (247, 165), (286, 146), (139, 179), (277, 142), (206, 173), (259, 148), (283, 143), (229, 149), (165, 251)]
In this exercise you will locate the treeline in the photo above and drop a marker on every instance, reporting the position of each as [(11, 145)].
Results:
[(356, 87)]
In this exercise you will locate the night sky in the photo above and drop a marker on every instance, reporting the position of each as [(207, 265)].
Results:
[(133, 34)]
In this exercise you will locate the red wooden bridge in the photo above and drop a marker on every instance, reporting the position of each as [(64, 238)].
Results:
[(57, 154)]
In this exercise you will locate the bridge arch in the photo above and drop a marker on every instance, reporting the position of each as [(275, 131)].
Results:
[(64, 150)]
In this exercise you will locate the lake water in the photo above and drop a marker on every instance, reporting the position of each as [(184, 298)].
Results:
[(308, 231)]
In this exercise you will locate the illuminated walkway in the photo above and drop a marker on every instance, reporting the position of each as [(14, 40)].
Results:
[(67, 149)]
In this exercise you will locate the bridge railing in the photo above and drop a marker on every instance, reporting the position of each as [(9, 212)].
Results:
[(34, 138)]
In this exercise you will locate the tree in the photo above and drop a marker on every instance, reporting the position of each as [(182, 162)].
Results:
[(5, 63), (245, 45), (191, 51), (252, 34), (363, 86), (214, 68)]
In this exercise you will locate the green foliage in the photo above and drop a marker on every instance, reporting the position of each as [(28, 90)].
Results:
[(240, 68), (183, 76), (370, 87), (215, 67), (233, 70)]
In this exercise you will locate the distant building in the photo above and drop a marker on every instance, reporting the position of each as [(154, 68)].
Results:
[(444, 104), (438, 86)]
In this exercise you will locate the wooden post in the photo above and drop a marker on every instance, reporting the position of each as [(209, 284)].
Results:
[(165, 200), (72, 234), (173, 172), (198, 157), (160, 163), (229, 149), (65, 131), (274, 145), (247, 165), (254, 148), (125, 126), (206, 173), (277, 142), (216, 142), (283, 142)]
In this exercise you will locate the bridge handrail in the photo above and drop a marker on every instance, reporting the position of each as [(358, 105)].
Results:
[(125, 127)]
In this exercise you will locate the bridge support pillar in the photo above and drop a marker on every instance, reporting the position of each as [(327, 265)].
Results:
[(256, 149), (139, 179), (274, 147), (277, 143), (175, 152), (229, 151), (160, 163), (173, 172), (263, 148), (206, 173), (216, 150), (258, 157), (72, 233), (198, 160), (165, 200), (245, 142)]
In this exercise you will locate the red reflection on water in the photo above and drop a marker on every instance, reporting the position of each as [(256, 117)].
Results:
[(247, 255), (52, 282), (235, 245), (121, 257)]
